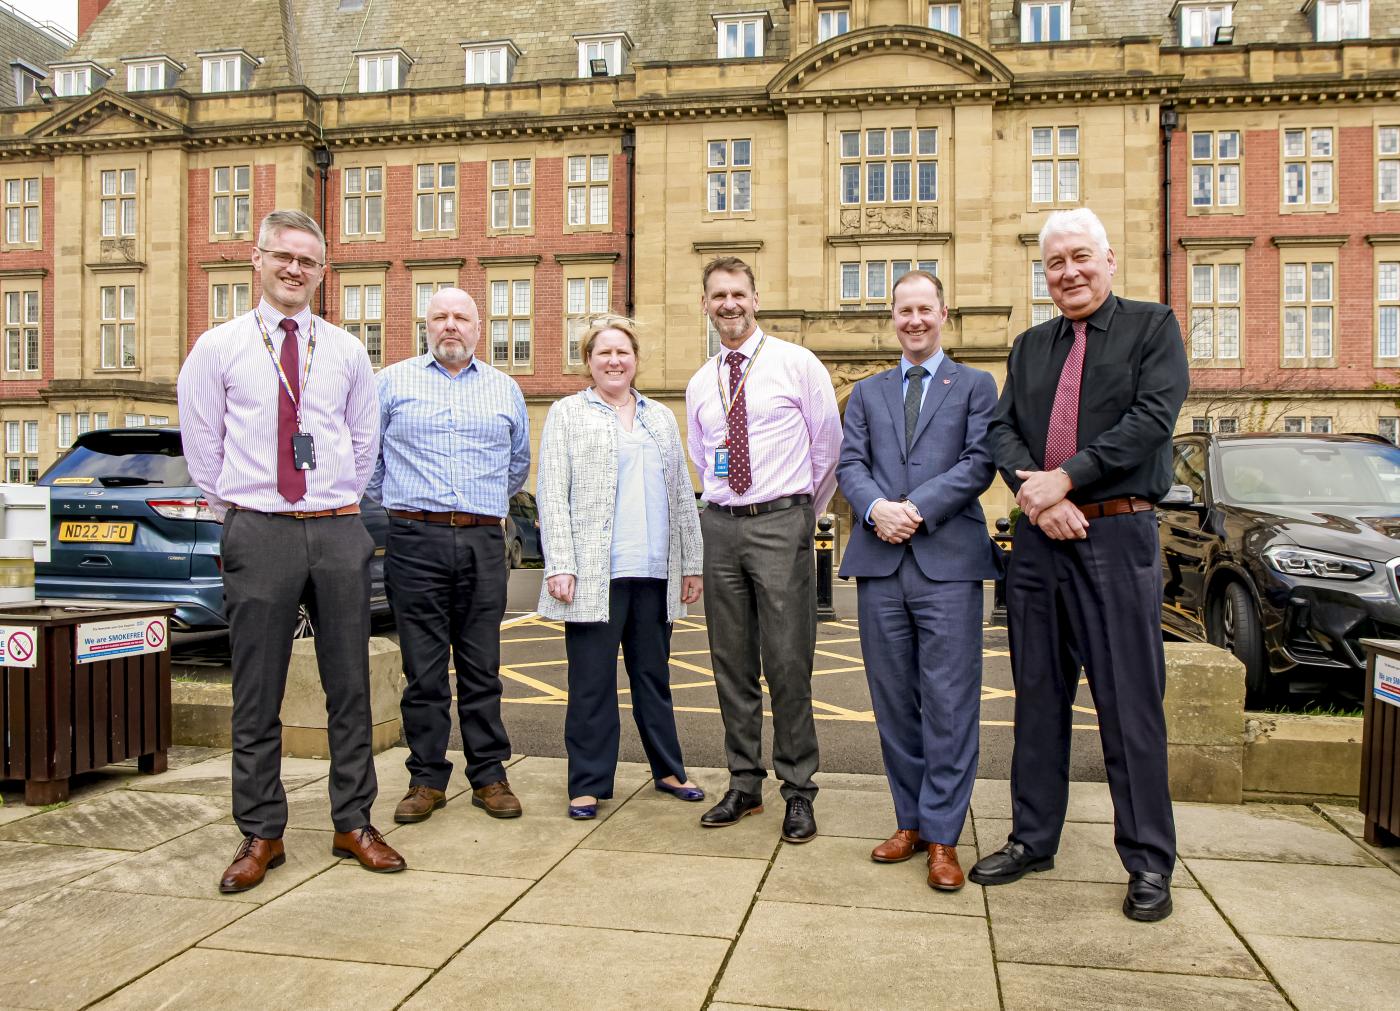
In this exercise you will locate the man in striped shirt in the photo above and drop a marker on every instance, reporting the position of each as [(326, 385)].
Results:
[(764, 434), (280, 433), (456, 447)]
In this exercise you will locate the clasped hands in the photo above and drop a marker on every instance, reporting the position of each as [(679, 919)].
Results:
[(1042, 501), (561, 588), (895, 522)]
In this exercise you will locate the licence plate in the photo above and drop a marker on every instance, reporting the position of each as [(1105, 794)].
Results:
[(97, 532)]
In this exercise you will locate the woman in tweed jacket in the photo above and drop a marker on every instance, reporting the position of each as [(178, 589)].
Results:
[(622, 552)]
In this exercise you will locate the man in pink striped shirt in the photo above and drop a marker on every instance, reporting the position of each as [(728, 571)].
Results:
[(764, 434), (280, 425)]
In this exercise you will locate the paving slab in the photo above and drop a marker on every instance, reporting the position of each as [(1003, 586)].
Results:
[(206, 978), (416, 918), (179, 756), (214, 777), (1086, 853), (1081, 923), (1319, 975), (652, 822), (1062, 988), (461, 839), (991, 798), (658, 892), (1351, 821), (1300, 900), (107, 938), (27, 869), (192, 864), (119, 820), (310, 806), (850, 781), (839, 872), (1289, 833), (549, 966), (805, 956)]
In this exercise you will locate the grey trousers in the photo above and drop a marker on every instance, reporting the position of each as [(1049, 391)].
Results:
[(761, 609), (272, 563)]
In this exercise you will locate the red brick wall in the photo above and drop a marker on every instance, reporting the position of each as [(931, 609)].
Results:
[(200, 250), (29, 259)]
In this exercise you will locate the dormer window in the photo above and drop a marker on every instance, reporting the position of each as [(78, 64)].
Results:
[(490, 62), (832, 21), (1199, 24), (151, 73), (945, 17), (382, 69), (741, 35), (26, 78), (81, 78), (228, 69), (1045, 22), (602, 55), (1339, 20)]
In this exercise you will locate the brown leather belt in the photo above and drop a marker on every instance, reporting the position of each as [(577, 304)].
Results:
[(446, 519), (312, 514), (1115, 507), (759, 508)]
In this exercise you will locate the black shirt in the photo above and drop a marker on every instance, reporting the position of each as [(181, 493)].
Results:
[(1135, 380)]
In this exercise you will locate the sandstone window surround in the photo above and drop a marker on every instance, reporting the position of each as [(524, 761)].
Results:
[(1309, 168), (22, 325), (117, 321), (585, 298), (231, 201), (1388, 311), (1217, 170), (1215, 312), (1054, 166), (897, 165), (362, 202), (588, 191), (435, 199), (490, 62), (22, 216), (1309, 312), (228, 298), (1043, 309), (1388, 167), (510, 310), (866, 284), (118, 202), (729, 176), (511, 182), (362, 313)]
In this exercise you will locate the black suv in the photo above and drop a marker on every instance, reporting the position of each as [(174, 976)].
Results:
[(1283, 549)]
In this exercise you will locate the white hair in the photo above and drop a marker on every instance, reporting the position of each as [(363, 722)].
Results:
[(1080, 221)]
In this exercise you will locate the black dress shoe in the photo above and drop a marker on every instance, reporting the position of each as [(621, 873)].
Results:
[(799, 824), (1008, 864), (735, 805), (1149, 896)]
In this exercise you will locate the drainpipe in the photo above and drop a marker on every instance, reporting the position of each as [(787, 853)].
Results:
[(1170, 122), (629, 151), (322, 156)]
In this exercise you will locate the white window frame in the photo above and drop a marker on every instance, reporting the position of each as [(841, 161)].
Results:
[(22, 310), (231, 197), (489, 62), (832, 21), (26, 80), (1037, 21), (1043, 308), (151, 73), (735, 34), (23, 218), (1198, 22), (586, 297), (948, 17), (362, 191), (1065, 146), (510, 194), (228, 299), (868, 284), (1318, 307), (365, 322), (1214, 167), (382, 69), (1388, 163), (1216, 318), (438, 193), (729, 176), (1388, 309), (64, 432), (73, 80), (872, 157), (119, 211), (1330, 20), (1306, 157), (227, 70), (587, 191), (510, 322), (117, 326), (611, 46)]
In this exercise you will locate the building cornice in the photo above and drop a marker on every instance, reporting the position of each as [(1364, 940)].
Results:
[(436, 263), (1383, 238), (510, 260), (598, 257), (713, 248), (12, 273), (875, 238), (1216, 241), (1284, 241)]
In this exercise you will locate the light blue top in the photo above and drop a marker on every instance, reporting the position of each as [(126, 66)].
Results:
[(450, 443), (641, 536), (935, 361)]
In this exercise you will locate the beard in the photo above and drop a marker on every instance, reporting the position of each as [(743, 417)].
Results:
[(451, 352)]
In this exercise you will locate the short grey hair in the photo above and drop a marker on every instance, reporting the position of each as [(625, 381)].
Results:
[(1080, 221), (277, 221)]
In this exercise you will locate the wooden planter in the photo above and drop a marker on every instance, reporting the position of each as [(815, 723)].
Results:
[(1380, 743)]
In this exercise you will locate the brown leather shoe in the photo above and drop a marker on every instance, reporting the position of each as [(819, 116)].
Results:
[(898, 847), (255, 856), (944, 871), (418, 804), (497, 800), (368, 847)]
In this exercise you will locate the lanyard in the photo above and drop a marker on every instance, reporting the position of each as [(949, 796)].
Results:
[(743, 378), (277, 362)]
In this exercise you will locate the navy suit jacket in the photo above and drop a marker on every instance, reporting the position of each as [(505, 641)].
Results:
[(945, 470)]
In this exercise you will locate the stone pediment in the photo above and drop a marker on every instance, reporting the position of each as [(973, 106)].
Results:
[(107, 114), (888, 59)]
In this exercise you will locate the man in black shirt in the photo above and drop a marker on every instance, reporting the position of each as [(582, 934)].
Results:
[(1082, 433)]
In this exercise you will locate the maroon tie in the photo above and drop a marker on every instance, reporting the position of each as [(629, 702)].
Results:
[(740, 472), (1062, 439), (291, 483)]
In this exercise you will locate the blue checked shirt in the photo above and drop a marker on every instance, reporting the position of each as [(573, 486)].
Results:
[(450, 443)]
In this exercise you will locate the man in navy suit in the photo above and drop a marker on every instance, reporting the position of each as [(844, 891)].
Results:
[(914, 461)]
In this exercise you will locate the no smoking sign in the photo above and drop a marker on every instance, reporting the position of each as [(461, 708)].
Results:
[(17, 647)]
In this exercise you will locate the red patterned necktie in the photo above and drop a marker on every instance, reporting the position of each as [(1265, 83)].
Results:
[(291, 483), (1062, 439), (740, 472)]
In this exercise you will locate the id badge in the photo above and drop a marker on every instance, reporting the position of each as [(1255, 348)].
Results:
[(303, 451), (722, 461)]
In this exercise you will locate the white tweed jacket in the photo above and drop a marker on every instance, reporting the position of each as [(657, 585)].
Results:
[(576, 491)]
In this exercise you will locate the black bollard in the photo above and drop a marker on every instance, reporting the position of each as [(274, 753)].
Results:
[(825, 543), (1003, 541)]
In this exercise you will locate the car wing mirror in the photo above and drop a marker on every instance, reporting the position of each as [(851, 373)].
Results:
[(1180, 496)]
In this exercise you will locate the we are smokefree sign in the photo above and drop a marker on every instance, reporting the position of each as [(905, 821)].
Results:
[(103, 640)]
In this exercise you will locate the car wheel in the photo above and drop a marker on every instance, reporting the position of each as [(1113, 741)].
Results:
[(517, 554), (1236, 627), (303, 629)]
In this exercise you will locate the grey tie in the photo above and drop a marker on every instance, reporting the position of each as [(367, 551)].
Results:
[(913, 400)]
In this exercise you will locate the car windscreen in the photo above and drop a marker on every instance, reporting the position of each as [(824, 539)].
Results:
[(122, 458), (1310, 473)]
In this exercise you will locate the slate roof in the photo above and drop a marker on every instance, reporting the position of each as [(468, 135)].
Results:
[(22, 39)]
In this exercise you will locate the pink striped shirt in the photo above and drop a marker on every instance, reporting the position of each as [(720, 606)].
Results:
[(228, 392), (794, 427)]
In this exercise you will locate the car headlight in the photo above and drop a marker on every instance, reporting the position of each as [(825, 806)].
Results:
[(1294, 561)]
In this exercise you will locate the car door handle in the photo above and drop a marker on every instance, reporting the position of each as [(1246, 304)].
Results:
[(96, 562)]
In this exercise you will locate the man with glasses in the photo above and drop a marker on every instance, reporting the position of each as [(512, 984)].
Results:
[(456, 448), (288, 495)]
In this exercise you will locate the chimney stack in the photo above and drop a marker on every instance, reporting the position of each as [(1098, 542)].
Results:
[(88, 10)]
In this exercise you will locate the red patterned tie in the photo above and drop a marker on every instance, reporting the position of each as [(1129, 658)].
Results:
[(291, 483), (740, 472), (1063, 437)]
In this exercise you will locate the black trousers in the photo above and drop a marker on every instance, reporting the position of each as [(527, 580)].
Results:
[(637, 622), (1095, 602), (447, 586), (271, 564)]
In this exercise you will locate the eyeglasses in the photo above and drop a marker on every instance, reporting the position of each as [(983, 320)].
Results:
[(284, 259)]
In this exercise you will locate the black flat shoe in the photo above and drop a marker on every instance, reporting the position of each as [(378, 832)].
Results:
[(735, 805), (1008, 864), (1149, 897), (799, 824)]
